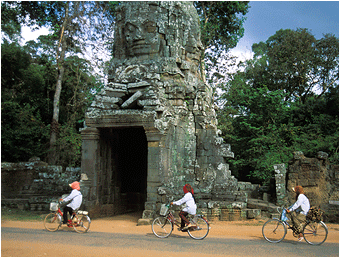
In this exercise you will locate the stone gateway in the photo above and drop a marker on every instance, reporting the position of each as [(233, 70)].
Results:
[(153, 127)]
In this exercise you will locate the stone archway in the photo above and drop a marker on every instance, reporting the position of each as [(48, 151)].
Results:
[(119, 163)]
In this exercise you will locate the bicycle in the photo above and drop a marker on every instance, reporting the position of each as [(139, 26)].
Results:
[(80, 220), (275, 230), (163, 225)]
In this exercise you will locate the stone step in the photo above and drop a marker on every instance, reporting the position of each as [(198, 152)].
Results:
[(262, 205)]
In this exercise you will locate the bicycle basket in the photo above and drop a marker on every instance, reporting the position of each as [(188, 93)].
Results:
[(54, 206), (164, 210)]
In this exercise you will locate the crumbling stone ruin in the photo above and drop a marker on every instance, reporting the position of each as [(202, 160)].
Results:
[(153, 127), (320, 180), (34, 184)]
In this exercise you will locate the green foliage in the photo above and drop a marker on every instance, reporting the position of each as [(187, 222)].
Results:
[(28, 82), (269, 108), (23, 134), (69, 146), (221, 22), (221, 28)]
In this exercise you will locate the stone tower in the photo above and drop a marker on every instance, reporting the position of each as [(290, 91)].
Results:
[(153, 127)]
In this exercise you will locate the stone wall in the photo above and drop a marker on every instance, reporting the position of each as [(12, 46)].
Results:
[(320, 180), (34, 184)]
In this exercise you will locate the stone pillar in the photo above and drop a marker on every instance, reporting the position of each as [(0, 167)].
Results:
[(90, 166), (153, 179), (280, 179)]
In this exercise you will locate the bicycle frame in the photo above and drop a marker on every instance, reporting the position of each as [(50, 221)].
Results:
[(172, 218), (70, 223), (174, 221)]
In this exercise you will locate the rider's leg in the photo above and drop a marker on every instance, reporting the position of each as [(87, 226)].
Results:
[(67, 210), (298, 221), (183, 215)]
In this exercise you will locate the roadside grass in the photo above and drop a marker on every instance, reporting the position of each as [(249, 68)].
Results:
[(21, 215)]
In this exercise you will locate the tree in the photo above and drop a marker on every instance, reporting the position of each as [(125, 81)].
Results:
[(271, 107), (221, 28), (74, 26), (298, 63), (77, 28), (23, 105)]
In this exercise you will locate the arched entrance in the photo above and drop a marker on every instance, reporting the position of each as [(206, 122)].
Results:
[(124, 153), (120, 163)]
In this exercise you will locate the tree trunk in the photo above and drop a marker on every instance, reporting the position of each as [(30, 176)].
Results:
[(53, 153)]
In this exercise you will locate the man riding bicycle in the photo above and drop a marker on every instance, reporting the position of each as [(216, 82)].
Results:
[(76, 199)]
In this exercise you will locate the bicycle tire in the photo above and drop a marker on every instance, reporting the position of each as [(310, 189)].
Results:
[(200, 230), (52, 221), (162, 227), (315, 233), (274, 231), (83, 224)]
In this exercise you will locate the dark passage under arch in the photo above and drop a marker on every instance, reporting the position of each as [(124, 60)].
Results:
[(128, 167)]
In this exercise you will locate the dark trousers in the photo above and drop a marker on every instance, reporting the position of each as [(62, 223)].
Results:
[(69, 211), (298, 220), (183, 215)]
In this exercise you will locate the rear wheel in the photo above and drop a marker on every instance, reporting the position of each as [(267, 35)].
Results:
[(83, 224), (315, 233), (200, 229), (274, 231), (162, 227), (52, 221)]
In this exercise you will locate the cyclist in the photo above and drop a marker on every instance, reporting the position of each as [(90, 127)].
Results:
[(298, 211), (190, 207), (76, 199)]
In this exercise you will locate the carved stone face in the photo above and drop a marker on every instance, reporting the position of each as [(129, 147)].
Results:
[(142, 37)]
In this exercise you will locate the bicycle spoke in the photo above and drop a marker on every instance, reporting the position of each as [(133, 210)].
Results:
[(162, 227), (52, 222), (82, 225), (315, 233), (274, 231), (200, 229)]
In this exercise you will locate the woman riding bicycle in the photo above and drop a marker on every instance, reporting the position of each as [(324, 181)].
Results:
[(76, 199), (190, 207), (298, 211)]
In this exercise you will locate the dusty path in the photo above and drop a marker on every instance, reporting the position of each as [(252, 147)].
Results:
[(126, 224)]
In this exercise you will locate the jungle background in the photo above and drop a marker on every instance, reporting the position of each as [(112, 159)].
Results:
[(284, 99)]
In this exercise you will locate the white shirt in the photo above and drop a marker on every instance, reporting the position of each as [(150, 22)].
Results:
[(190, 207), (76, 198), (301, 205)]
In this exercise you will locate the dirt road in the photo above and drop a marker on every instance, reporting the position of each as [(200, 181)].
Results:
[(126, 224)]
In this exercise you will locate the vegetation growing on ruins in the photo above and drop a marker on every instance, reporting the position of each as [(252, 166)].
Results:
[(283, 100)]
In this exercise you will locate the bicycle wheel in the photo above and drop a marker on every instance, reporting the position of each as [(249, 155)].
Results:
[(200, 230), (315, 233), (274, 231), (83, 224), (162, 227), (52, 221)]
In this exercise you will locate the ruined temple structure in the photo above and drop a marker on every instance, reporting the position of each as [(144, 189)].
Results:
[(153, 127)]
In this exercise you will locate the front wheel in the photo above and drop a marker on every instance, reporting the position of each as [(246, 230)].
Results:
[(315, 233), (162, 227), (52, 221), (274, 231), (83, 224), (200, 229)]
